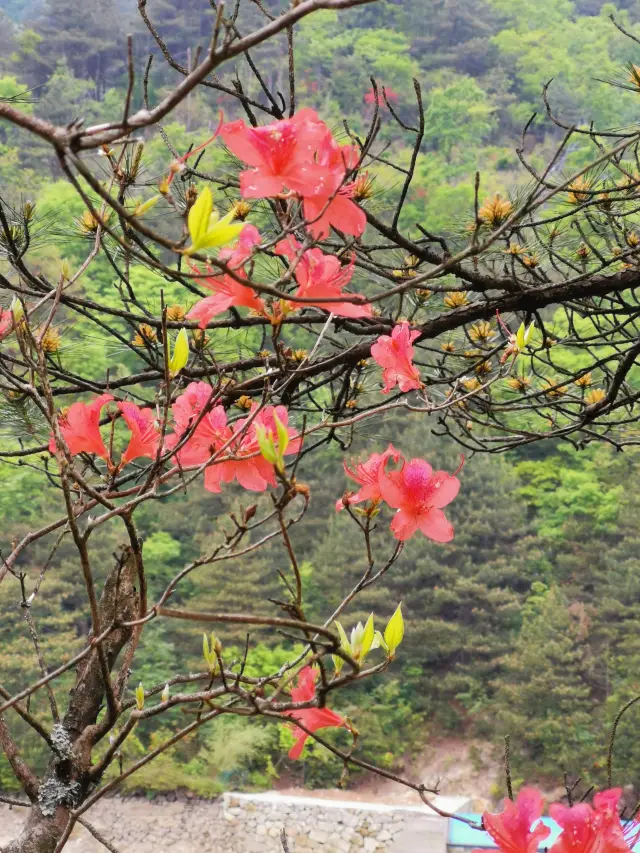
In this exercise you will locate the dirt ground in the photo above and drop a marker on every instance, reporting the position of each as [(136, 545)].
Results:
[(457, 768)]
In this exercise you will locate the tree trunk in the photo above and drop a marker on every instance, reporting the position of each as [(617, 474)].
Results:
[(40, 834), (66, 782)]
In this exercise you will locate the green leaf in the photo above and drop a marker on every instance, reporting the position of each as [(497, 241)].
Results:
[(142, 208), (199, 217), (344, 640), (180, 355), (394, 632), (140, 697), (266, 444), (367, 638), (283, 435)]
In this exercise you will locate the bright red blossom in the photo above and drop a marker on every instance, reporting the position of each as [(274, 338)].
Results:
[(252, 472), (330, 204), (241, 460), (227, 291), (281, 154), (418, 493), (311, 718), (6, 321), (320, 276), (301, 155), (80, 428), (590, 829), (394, 353), (585, 828), (511, 829), (144, 432), (366, 474)]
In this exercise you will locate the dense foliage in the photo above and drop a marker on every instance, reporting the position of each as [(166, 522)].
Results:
[(525, 623)]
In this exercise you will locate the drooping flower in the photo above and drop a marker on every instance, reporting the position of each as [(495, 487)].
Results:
[(394, 353), (280, 154), (311, 718), (366, 475), (320, 276), (590, 829), (144, 432), (419, 494), (80, 428), (227, 291), (511, 829)]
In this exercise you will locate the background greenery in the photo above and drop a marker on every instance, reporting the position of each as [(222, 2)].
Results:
[(527, 623)]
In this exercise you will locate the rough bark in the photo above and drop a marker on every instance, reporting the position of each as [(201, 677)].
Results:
[(65, 783)]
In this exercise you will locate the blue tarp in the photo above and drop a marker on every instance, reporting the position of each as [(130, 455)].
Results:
[(461, 835)]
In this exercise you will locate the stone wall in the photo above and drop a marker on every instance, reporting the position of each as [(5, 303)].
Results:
[(250, 823), (331, 826)]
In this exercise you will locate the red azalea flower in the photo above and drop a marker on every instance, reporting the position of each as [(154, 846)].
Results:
[(394, 353), (227, 291), (340, 212), (511, 829), (247, 466), (330, 204), (311, 718), (321, 276), (419, 495), (366, 474), (209, 435), (281, 154), (6, 321), (300, 154), (80, 428), (144, 432), (251, 471), (587, 829)]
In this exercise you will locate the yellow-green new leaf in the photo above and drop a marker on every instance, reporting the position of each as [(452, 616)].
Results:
[(523, 335), (394, 632), (344, 640), (143, 207), (266, 444), (209, 653), (17, 309), (367, 638), (140, 697), (206, 229), (180, 355), (283, 435), (199, 217)]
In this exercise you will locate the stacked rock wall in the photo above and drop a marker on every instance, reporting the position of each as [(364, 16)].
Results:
[(250, 823)]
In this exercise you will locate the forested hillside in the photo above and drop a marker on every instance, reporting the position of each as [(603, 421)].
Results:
[(527, 623)]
